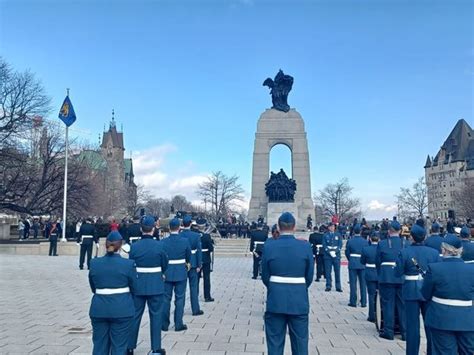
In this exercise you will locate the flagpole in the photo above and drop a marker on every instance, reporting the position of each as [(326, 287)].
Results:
[(63, 239)]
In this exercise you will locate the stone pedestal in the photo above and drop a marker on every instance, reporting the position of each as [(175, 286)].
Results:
[(277, 127), (275, 209)]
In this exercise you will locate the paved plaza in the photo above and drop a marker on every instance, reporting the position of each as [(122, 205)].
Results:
[(44, 303)]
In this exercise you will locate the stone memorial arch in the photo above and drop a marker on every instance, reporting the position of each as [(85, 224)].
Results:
[(278, 127)]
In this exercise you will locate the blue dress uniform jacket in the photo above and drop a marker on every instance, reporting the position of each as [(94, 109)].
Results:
[(468, 251), (332, 242), (87, 237), (411, 291), (152, 262), (449, 288), (134, 232), (111, 272), (257, 240), (386, 258), (194, 240), (149, 253), (356, 269), (451, 279), (207, 248), (368, 259), (111, 279), (287, 272), (434, 241)]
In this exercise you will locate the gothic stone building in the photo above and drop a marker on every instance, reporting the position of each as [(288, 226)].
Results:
[(449, 170), (114, 186)]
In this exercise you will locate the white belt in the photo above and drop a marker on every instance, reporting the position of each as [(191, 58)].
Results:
[(441, 255), (389, 263), (469, 262), (370, 265), (355, 255), (87, 236), (193, 251), (287, 280), (177, 261), (319, 245), (111, 291), (259, 242), (332, 247), (448, 302), (413, 277), (205, 250), (134, 238), (149, 270)]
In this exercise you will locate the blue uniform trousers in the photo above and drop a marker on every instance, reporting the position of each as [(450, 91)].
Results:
[(206, 276), (355, 274), (319, 266), (85, 249), (194, 290), (179, 288), (110, 335), (445, 342), (53, 245), (412, 317), (329, 263), (391, 299), (371, 291), (256, 265), (155, 304), (275, 332)]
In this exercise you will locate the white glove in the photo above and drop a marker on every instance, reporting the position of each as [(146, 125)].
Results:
[(97, 245), (332, 253)]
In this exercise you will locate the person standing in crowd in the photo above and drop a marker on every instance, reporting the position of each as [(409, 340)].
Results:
[(114, 226), (151, 263), (390, 285), (448, 287), (26, 230), (412, 264), (54, 234), (332, 245), (435, 239), (134, 231), (467, 245), (194, 240), (21, 229), (356, 269), (258, 238), (207, 251), (87, 238), (36, 227), (316, 241), (111, 279), (309, 222), (368, 258), (287, 272), (179, 253), (275, 232)]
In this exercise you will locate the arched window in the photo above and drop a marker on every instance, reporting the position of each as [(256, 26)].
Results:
[(280, 158)]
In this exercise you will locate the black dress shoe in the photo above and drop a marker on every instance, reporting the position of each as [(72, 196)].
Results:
[(385, 336), (352, 305), (339, 289), (81, 268), (160, 351), (129, 351), (209, 300), (327, 289), (317, 280), (370, 320), (199, 313), (254, 278), (164, 329), (180, 329), (363, 305)]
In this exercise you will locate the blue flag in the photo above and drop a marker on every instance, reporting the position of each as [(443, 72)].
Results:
[(66, 113)]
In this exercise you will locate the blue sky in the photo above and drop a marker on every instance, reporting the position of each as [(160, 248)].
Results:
[(380, 84)]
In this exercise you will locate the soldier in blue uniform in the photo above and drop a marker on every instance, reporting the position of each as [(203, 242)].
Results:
[(207, 251), (316, 241), (368, 257), (134, 231), (151, 263), (412, 263), (448, 286), (54, 234), (257, 240), (194, 240), (356, 269), (111, 278), (467, 245), (435, 239), (179, 254), (390, 285), (287, 272), (332, 245), (87, 238)]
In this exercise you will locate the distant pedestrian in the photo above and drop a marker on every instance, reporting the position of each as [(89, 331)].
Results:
[(54, 234)]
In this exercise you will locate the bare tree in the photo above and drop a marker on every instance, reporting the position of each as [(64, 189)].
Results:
[(22, 98), (465, 199), (221, 192), (159, 207), (414, 201), (180, 203), (336, 199)]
